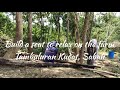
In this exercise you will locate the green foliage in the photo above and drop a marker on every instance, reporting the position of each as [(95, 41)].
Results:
[(6, 26), (38, 51), (103, 25), (4, 36)]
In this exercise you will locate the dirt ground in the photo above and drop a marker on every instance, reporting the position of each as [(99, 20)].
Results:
[(58, 72), (50, 72)]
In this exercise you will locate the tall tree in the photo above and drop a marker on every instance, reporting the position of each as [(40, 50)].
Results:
[(77, 34), (85, 28), (67, 33), (56, 19), (58, 26), (30, 32), (19, 36), (90, 26)]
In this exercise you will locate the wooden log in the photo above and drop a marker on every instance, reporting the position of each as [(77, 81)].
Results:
[(77, 64), (13, 62), (105, 74)]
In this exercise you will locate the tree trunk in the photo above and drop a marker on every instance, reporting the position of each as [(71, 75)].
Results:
[(58, 27), (42, 31), (90, 26), (17, 63), (19, 36), (67, 33), (30, 32), (77, 35), (41, 26), (85, 28)]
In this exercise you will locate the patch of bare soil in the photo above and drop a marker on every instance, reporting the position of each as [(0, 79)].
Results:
[(50, 72), (58, 72)]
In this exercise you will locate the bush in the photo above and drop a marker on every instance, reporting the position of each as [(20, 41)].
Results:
[(38, 50)]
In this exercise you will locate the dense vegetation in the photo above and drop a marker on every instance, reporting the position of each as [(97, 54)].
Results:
[(61, 26)]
